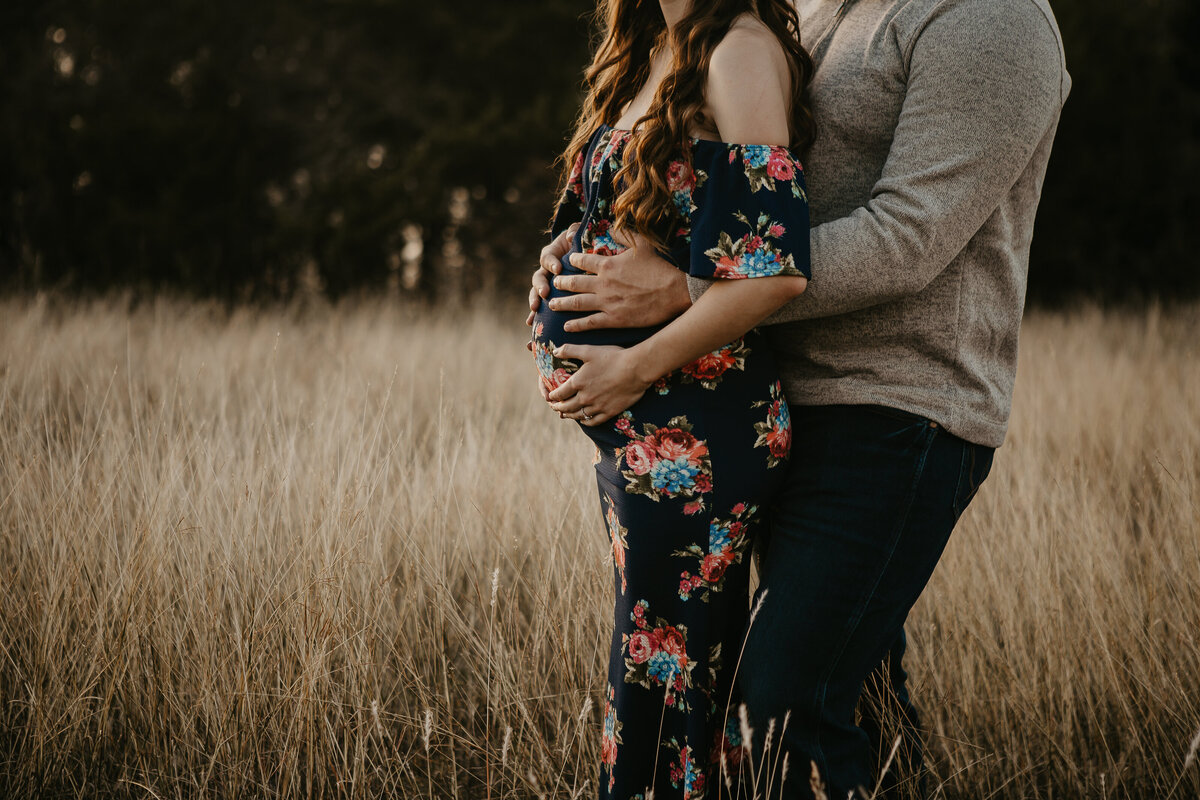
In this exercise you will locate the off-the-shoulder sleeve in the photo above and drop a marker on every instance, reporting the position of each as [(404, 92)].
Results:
[(572, 205), (748, 212)]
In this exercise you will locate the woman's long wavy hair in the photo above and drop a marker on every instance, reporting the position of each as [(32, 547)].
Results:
[(621, 66)]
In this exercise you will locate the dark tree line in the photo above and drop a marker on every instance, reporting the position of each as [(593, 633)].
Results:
[(246, 149), (1120, 211)]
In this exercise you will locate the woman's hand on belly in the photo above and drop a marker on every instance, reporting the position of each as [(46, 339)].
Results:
[(549, 264), (605, 385)]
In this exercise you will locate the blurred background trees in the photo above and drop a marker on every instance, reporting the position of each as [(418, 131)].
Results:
[(249, 149)]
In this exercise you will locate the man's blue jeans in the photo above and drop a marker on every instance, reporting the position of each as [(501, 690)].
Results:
[(871, 498)]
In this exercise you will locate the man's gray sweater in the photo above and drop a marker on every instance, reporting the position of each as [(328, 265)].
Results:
[(935, 120)]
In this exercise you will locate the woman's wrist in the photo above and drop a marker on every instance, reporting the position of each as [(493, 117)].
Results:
[(645, 368), (679, 299)]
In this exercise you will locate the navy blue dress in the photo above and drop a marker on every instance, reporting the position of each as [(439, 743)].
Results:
[(687, 473)]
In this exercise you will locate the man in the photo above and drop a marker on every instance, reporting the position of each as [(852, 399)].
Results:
[(936, 119)]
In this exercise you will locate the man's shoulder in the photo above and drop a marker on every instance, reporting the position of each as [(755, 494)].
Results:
[(1003, 30), (1033, 18)]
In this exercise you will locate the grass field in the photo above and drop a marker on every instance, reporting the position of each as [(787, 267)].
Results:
[(345, 552)]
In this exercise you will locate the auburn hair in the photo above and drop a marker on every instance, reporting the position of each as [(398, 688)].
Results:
[(621, 66)]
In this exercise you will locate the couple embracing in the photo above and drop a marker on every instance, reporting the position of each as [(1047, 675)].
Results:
[(783, 300)]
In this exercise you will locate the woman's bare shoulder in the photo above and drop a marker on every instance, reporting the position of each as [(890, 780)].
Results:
[(748, 85)]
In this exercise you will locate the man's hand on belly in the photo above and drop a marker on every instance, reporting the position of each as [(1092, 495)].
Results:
[(633, 289)]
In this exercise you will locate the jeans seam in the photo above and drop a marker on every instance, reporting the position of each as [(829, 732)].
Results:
[(856, 618), (964, 477), (967, 475)]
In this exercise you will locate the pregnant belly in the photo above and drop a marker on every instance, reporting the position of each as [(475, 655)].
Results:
[(548, 333)]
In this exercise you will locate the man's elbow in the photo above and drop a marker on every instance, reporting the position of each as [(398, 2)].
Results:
[(911, 262), (907, 282)]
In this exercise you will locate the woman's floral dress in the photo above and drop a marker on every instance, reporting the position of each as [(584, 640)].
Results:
[(687, 473)]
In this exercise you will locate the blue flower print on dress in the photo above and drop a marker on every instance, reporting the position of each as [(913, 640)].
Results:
[(666, 462), (656, 657), (768, 166), (685, 774), (775, 433), (755, 254), (672, 477), (728, 540), (757, 155)]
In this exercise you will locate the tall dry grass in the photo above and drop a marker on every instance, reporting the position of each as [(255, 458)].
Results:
[(345, 552)]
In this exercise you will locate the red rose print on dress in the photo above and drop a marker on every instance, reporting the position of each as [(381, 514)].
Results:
[(554, 371), (682, 181), (685, 774), (665, 463), (606, 153), (728, 541), (657, 657), (610, 739), (766, 166), (674, 444), (618, 535), (728, 752), (708, 369), (780, 166), (597, 238), (573, 192), (776, 432), (640, 456), (755, 254)]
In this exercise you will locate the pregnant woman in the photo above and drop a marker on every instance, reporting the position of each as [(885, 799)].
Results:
[(687, 138)]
